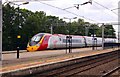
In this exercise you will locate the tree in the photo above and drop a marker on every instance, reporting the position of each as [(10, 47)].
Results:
[(109, 31), (94, 30), (31, 23), (9, 27)]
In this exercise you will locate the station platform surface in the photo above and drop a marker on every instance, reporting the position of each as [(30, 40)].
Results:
[(10, 55), (39, 58)]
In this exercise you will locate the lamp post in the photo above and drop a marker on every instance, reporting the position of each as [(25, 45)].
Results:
[(18, 36), (69, 37)]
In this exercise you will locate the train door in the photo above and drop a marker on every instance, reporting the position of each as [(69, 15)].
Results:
[(85, 42)]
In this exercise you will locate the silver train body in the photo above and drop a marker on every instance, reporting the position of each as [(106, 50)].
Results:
[(42, 41)]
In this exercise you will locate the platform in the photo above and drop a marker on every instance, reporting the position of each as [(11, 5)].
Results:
[(10, 55), (13, 64)]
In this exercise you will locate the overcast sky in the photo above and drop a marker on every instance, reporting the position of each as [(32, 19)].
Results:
[(92, 13)]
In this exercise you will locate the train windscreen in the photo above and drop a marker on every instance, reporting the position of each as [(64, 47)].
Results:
[(35, 39)]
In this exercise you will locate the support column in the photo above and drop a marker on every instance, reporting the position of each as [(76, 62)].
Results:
[(51, 28), (103, 36), (0, 27), (119, 22), (0, 34)]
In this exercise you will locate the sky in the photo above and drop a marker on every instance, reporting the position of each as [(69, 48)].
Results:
[(93, 13)]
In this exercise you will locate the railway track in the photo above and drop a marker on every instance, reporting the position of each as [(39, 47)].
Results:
[(112, 72), (98, 65)]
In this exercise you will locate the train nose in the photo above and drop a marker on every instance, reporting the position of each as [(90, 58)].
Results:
[(32, 48)]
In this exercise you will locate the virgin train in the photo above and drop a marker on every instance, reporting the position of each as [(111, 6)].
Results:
[(42, 41)]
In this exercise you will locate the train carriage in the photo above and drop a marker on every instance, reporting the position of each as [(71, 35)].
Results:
[(42, 41)]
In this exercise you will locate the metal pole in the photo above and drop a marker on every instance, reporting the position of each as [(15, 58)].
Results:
[(66, 44), (86, 31), (69, 37), (18, 35), (0, 28), (103, 36), (118, 37), (119, 22), (96, 43), (71, 43), (51, 28), (93, 39)]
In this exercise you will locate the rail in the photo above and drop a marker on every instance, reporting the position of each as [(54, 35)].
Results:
[(84, 65), (111, 71)]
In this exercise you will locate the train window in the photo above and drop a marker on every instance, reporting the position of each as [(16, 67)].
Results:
[(73, 41), (36, 38), (64, 40), (76, 41), (33, 38)]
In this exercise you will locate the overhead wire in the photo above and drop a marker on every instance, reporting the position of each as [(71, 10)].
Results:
[(77, 14), (69, 12), (115, 9), (99, 8), (105, 7), (112, 23), (68, 7)]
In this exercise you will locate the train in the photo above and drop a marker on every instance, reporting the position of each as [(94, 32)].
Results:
[(43, 41)]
